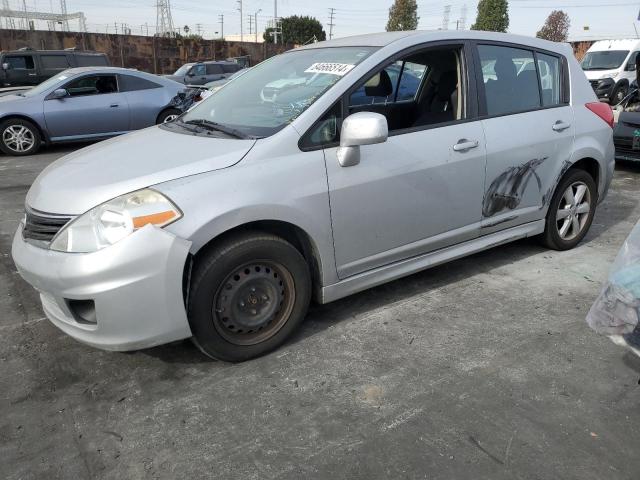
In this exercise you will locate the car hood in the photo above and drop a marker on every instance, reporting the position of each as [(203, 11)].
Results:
[(91, 176), (174, 78), (7, 98)]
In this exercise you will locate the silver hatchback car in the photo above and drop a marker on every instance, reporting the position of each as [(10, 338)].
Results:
[(394, 153)]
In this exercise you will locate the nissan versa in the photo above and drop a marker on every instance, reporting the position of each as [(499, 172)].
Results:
[(223, 224)]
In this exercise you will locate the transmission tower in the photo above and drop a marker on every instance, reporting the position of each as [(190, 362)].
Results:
[(445, 17), (9, 22), (164, 22), (63, 11), (463, 17), (332, 12)]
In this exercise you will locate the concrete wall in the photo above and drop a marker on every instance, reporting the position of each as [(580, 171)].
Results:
[(151, 54)]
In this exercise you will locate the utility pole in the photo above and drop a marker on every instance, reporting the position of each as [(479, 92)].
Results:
[(331, 24), (240, 8), (199, 28), (445, 17), (275, 22), (250, 23), (255, 23), (221, 17)]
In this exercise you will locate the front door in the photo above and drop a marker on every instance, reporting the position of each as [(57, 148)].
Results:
[(422, 189), (21, 70), (93, 108), (529, 133)]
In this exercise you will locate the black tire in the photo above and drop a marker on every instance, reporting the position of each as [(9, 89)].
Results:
[(248, 294), (19, 137), (552, 236), (166, 115), (618, 94)]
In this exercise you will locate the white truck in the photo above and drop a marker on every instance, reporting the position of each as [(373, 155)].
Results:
[(610, 66)]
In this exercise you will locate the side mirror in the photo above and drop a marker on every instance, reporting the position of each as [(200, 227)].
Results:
[(59, 93), (631, 66), (6, 66), (362, 128)]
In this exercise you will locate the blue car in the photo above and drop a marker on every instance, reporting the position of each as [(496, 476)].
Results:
[(81, 104)]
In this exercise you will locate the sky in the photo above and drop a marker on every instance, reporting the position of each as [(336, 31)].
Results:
[(605, 18)]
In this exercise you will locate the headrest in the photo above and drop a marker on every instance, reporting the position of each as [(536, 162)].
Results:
[(379, 85), (505, 68)]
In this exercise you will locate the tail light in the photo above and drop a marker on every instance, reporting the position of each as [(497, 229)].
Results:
[(603, 110)]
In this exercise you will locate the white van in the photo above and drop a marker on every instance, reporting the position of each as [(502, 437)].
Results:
[(610, 66)]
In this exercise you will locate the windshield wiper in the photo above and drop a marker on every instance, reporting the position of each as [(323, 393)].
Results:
[(208, 124)]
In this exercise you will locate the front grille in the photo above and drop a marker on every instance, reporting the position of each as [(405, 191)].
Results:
[(42, 227)]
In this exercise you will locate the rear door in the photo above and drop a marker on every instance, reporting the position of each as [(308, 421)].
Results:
[(529, 129), (94, 108), (52, 63), (214, 72)]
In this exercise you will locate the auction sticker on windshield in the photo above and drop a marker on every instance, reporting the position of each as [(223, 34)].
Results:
[(330, 68)]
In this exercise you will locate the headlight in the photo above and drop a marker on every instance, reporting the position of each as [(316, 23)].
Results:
[(114, 220)]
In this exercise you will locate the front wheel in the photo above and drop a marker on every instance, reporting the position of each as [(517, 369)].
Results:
[(619, 94), (168, 115), (571, 211), (19, 137), (248, 294)]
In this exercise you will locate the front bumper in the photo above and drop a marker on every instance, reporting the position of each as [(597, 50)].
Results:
[(135, 286)]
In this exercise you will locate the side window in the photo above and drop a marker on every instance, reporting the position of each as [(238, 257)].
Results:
[(20, 62), (214, 69), (326, 130), (510, 80), (198, 70), (229, 68), (549, 71), (54, 62), (92, 85), (631, 64), (130, 83)]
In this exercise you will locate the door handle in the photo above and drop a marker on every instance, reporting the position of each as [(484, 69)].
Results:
[(463, 145), (114, 105), (560, 126), (32, 74)]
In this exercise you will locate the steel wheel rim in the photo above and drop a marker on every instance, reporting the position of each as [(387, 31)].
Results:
[(253, 302), (573, 211), (18, 138), (170, 118)]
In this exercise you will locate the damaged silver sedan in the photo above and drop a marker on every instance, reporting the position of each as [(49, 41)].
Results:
[(377, 156)]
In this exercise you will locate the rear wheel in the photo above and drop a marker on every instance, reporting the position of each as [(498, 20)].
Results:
[(248, 295), (19, 137), (168, 115), (571, 211)]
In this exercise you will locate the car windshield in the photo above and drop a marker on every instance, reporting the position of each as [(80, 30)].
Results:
[(272, 94), (605, 60), (46, 85), (183, 70)]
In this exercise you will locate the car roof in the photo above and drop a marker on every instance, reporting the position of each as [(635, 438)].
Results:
[(77, 70), (620, 44), (422, 36), (72, 52)]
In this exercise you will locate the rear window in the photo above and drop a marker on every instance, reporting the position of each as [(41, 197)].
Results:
[(57, 62), (131, 83), (92, 61), (214, 69), (229, 68)]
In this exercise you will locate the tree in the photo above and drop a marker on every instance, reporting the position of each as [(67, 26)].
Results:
[(403, 15), (556, 27), (186, 29), (493, 16), (298, 30)]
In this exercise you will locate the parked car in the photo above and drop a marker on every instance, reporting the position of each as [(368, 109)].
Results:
[(204, 72), (218, 84), (224, 223), (83, 104), (610, 67), (31, 67)]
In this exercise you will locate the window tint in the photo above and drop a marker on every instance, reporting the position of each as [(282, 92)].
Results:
[(198, 70), (510, 80), (229, 68), (214, 69), (22, 62), (92, 85), (91, 60), (326, 130), (58, 62), (549, 70), (130, 83)]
